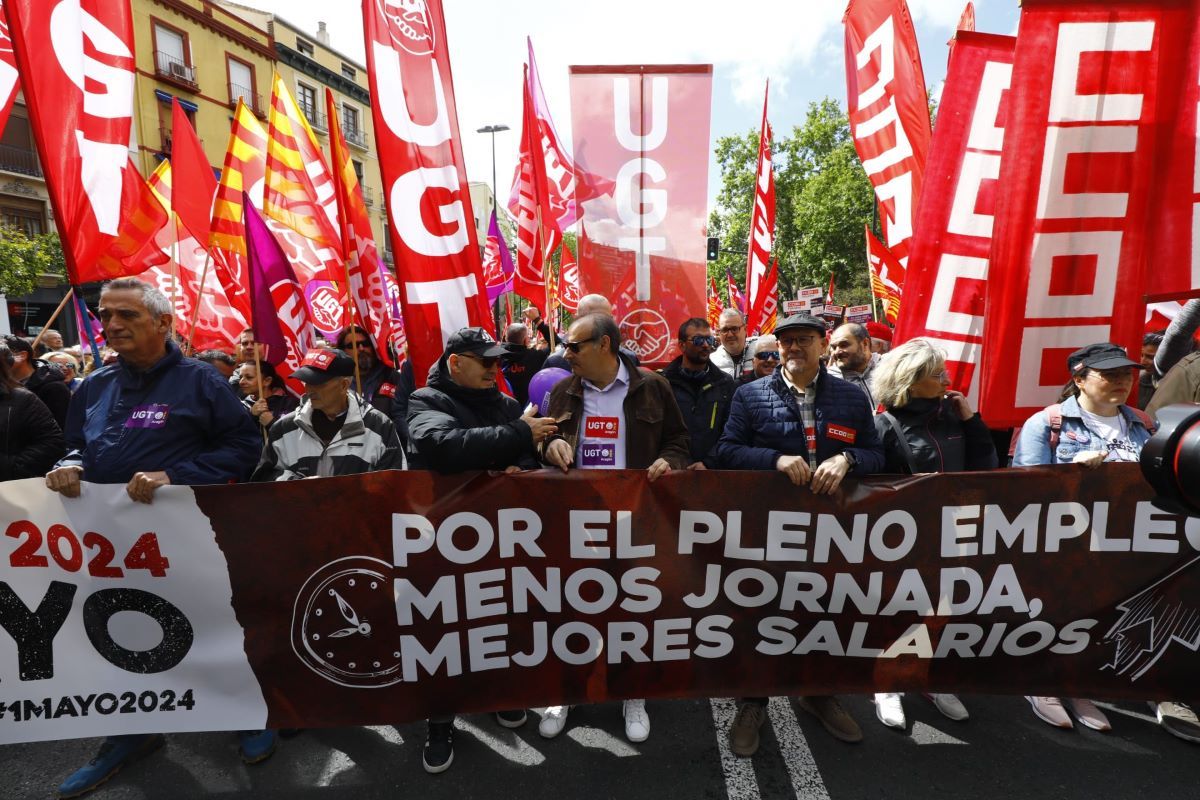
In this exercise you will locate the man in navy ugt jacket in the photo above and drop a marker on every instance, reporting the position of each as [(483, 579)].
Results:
[(153, 418), (816, 429)]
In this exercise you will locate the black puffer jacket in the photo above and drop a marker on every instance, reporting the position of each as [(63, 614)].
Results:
[(454, 429), (30, 440), (940, 440), (50, 386), (704, 403)]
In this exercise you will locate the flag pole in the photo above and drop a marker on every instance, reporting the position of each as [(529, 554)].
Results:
[(62, 304), (258, 375), (541, 245), (174, 266), (199, 297), (83, 317)]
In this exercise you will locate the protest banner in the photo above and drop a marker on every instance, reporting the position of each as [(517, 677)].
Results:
[(944, 289), (639, 245), (234, 606)]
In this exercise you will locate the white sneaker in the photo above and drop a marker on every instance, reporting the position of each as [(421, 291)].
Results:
[(889, 710), (950, 706), (554, 719), (637, 721)]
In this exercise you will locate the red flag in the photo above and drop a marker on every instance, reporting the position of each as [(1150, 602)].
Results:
[(829, 293), (533, 208), (556, 165), (762, 315), (363, 279), (77, 63), (8, 71), (967, 21), (888, 110), (568, 268), (193, 182), (715, 306), (944, 290), (736, 298), (429, 206), (762, 218), (885, 270), (280, 320), (1098, 97), (243, 173)]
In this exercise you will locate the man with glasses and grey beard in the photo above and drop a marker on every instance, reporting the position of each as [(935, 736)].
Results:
[(766, 358), (702, 391)]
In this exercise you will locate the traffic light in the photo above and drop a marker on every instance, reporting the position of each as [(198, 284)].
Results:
[(714, 248)]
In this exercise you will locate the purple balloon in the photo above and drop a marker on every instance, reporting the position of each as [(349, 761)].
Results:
[(541, 384)]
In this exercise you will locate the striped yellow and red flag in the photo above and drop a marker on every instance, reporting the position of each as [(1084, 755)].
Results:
[(299, 189), (244, 170)]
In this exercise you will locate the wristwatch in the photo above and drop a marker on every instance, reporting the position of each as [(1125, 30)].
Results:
[(850, 459)]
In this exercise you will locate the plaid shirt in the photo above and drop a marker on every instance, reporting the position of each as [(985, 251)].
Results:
[(804, 402)]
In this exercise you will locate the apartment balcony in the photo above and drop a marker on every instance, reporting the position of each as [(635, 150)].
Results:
[(356, 137), (172, 70), (253, 101), (316, 120), (368, 195), (21, 160)]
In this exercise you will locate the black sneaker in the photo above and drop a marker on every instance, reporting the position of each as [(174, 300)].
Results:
[(512, 719), (439, 748)]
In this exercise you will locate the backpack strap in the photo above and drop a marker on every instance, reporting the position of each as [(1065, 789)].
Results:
[(894, 424), (1054, 417), (1144, 418)]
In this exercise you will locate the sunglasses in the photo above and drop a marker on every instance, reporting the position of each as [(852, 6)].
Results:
[(702, 341), (767, 355), (487, 362), (574, 346), (799, 341)]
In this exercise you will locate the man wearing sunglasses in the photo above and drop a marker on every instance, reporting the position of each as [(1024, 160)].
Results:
[(816, 429), (701, 389), (459, 421), (612, 415), (766, 358), (383, 388)]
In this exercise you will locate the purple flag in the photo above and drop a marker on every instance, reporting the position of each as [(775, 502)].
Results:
[(497, 263), (279, 315)]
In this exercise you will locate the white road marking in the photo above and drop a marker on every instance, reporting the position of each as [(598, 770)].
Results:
[(740, 781), (794, 750)]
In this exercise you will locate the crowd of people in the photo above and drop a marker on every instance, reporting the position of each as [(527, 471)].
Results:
[(814, 404)]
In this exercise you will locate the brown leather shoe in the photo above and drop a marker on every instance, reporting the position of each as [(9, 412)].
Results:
[(833, 717), (743, 733)]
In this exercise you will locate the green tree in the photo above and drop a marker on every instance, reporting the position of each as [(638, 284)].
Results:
[(23, 258), (823, 199)]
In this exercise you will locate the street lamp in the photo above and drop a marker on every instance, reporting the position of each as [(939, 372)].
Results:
[(493, 130)]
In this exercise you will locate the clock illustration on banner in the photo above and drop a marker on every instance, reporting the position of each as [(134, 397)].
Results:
[(344, 624)]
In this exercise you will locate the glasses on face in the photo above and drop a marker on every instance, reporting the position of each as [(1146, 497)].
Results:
[(359, 345), (788, 342), (732, 329), (944, 375), (703, 341), (574, 346), (487, 362), (767, 355)]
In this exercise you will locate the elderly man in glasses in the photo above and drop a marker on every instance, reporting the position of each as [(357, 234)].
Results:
[(733, 356), (702, 391), (766, 358)]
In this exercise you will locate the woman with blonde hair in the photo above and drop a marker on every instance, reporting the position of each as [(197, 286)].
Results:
[(925, 427)]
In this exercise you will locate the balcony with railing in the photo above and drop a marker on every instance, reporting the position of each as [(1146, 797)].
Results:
[(253, 101), (21, 160), (356, 137), (368, 195), (172, 70), (318, 121)]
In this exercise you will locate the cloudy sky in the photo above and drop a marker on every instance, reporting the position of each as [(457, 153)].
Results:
[(795, 43)]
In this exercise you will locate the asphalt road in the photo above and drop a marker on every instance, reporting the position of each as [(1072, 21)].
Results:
[(1002, 752)]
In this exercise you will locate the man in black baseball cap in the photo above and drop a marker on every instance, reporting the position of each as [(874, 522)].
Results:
[(332, 432), (459, 421), (1104, 355)]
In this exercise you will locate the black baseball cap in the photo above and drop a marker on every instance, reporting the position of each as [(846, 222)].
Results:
[(801, 320), (476, 341), (1104, 355), (322, 365)]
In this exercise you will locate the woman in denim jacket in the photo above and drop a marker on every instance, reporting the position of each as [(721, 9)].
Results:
[(1092, 425)]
